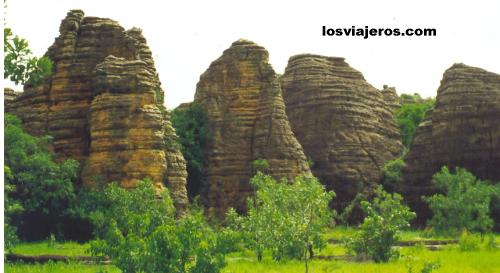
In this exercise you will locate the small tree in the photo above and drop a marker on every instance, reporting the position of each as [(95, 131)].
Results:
[(39, 184), (138, 231), (286, 218), (465, 204), (379, 232)]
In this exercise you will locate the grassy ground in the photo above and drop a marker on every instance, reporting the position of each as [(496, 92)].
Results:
[(451, 259)]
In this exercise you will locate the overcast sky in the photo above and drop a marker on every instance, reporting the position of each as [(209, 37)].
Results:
[(186, 36)]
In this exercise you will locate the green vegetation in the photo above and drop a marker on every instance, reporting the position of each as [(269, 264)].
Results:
[(379, 232), (286, 219), (38, 190), (191, 125), (260, 165), (409, 116), (465, 204), (138, 231), (392, 173), (19, 64)]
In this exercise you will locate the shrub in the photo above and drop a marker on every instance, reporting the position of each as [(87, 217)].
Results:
[(392, 173), (41, 186), (138, 231), (285, 218), (465, 204), (260, 165), (469, 242), (386, 216)]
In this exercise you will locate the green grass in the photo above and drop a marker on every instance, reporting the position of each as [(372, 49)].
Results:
[(46, 247), (451, 259), (58, 268)]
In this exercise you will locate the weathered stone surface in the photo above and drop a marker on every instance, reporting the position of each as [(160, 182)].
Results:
[(242, 96), (463, 130), (9, 95), (391, 97), (342, 122), (104, 106)]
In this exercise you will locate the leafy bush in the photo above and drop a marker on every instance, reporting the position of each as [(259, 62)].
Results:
[(392, 173), (409, 116), (285, 218), (19, 64), (386, 217), (11, 207), (465, 204), (138, 231), (191, 125), (469, 241), (260, 165), (41, 186)]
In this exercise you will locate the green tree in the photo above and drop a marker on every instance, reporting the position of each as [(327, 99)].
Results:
[(286, 218), (11, 207), (465, 204), (391, 173), (379, 232), (409, 116), (137, 229), (42, 187), (191, 125), (20, 66)]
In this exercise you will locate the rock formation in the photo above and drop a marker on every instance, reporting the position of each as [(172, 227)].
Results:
[(463, 130), (343, 123), (104, 106), (391, 97), (242, 97), (9, 95)]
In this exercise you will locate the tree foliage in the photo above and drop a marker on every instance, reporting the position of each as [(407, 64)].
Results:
[(385, 217), (137, 229), (465, 203), (409, 116), (40, 185), (285, 218), (392, 173), (20, 66), (191, 125)]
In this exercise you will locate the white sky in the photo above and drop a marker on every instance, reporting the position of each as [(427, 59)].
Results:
[(186, 36)]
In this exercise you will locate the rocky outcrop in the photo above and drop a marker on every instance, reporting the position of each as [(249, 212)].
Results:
[(247, 121), (343, 123), (104, 106), (462, 131), (9, 95), (391, 97)]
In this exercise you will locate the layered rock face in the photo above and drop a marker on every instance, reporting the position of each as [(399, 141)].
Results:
[(104, 106), (391, 97), (462, 131), (242, 97), (343, 123), (9, 95)]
